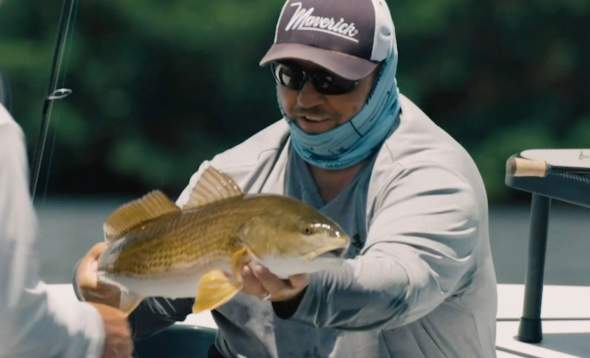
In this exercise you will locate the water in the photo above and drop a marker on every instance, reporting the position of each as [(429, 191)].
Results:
[(568, 244), (68, 228)]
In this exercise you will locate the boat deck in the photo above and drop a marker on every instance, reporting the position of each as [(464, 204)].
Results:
[(565, 312), (566, 322)]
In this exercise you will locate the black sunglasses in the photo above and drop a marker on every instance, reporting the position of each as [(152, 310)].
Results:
[(294, 77)]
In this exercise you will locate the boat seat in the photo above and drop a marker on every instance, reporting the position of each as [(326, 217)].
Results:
[(565, 176)]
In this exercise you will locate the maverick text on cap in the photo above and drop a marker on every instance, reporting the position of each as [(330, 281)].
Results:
[(347, 37)]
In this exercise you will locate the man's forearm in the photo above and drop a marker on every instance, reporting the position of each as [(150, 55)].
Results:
[(343, 300)]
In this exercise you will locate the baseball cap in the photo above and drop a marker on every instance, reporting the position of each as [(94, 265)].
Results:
[(347, 37)]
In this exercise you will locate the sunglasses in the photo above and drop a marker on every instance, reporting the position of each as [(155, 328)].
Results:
[(294, 77)]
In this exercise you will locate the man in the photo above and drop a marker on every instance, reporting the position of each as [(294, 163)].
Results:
[(419, 281), (34, 320)]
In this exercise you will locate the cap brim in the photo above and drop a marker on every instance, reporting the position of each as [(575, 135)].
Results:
[(344, 65)]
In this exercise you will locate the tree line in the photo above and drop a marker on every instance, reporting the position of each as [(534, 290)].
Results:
[(158, 87)]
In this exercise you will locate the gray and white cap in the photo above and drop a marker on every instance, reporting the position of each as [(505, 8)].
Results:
[(347, 37)]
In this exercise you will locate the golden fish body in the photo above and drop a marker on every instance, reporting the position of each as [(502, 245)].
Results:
[(197, 251)]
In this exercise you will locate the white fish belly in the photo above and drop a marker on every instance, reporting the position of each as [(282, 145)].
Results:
[(173, 285), (285, 267), (177, 287)]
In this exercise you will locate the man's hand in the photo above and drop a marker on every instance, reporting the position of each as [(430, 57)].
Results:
[(260, 282), (86, 277), (117, 343)]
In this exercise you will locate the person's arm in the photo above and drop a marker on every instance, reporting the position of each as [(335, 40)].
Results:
[(156, 313), (420, 246), (35, 321), (151, 316)]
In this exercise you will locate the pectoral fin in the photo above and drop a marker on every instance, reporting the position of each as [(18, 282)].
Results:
[(214, 289), (239, 259)]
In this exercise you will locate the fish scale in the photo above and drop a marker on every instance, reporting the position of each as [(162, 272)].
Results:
[(157, 246)]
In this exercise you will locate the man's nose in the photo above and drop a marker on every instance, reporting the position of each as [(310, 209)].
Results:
[(308, 96)]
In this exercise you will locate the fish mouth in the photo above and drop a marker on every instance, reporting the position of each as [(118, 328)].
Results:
[(334, 253), (335, 250)]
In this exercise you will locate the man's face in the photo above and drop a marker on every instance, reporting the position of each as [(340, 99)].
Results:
[(315, 112)]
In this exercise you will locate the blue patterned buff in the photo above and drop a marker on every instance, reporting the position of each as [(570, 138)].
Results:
[(355, 140)]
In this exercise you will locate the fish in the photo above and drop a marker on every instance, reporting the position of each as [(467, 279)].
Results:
[(158, 249)]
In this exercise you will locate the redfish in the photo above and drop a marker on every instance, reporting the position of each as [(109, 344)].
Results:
[(159, 249)]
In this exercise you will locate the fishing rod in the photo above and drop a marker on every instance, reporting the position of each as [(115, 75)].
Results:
[(53, 93)]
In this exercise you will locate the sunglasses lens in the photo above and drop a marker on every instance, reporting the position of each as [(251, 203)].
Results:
[(330, 84), (325, 82), (288, 76)]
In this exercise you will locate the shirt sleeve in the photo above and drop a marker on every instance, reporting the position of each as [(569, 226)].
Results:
[(37, 321), (419, 251), (157, 313)]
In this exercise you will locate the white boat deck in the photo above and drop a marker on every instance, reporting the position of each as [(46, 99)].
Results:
[(565, 312), (566, 322)]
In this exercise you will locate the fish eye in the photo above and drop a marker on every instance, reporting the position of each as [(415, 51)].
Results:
[(314, 228)]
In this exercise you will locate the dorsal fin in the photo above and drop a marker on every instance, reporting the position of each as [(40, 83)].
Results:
[(150, 206), (212, 186)]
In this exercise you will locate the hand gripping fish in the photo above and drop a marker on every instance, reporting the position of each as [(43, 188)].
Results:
[(159, 249)]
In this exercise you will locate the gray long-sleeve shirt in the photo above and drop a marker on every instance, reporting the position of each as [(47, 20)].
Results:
[(419, 281)]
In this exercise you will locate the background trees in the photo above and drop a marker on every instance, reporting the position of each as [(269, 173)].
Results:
[(161, 86)]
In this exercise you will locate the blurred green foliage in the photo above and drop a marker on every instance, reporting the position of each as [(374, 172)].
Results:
[(161, 86)]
